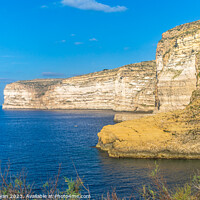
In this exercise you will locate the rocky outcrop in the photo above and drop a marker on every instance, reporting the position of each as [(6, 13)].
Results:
[(172, 135), (128, 88), (126, 116)]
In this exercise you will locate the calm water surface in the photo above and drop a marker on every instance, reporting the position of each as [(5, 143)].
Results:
[(41, 140)]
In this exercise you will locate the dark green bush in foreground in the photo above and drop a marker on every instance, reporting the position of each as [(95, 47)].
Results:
[(17, 188)]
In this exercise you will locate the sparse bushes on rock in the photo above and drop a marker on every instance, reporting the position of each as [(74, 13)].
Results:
[(17, 188)]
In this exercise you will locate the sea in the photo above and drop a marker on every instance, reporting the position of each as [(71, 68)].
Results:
[(41, 142)]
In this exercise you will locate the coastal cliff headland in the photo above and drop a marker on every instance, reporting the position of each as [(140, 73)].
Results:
[(174, 132), (168, 88)]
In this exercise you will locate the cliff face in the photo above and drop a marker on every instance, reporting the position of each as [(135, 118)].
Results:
[(28, 94), (128, 88), (177, 63), (144, 87)]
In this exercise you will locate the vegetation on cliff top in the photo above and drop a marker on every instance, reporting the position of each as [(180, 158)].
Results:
[(181, 30)]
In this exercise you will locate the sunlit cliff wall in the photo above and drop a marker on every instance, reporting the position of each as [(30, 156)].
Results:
[(128, 88)]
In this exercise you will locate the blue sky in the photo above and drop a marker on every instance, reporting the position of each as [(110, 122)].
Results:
[(63, 38)]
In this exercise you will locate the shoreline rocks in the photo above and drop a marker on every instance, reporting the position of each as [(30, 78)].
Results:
[(126, 116), (172, 135)]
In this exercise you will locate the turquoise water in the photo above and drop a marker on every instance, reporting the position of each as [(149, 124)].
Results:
[(41, 140)]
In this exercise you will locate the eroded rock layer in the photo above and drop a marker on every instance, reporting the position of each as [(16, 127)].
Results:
[(128, 88), (126, 116)]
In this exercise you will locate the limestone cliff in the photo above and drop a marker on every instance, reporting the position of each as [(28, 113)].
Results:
[(166, 85), (128, 88), (177, 60), (174, 135)]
